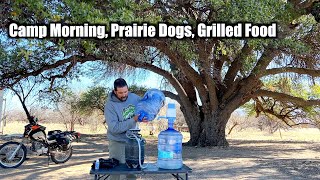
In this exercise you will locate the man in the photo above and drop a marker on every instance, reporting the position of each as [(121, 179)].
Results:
[(119, 113)]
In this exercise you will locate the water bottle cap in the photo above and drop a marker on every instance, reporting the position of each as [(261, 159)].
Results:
[(171, 106), (142, 115)]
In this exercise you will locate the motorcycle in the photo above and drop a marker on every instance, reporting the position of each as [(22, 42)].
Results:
[(57, 145)]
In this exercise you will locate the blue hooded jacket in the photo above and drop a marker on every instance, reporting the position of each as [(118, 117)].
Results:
[(119, 116)]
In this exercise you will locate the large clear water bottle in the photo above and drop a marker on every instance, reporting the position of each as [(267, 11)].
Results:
[(170, 143), (149, 106)]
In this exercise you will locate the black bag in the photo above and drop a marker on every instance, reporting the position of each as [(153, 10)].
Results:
[(106, 163)]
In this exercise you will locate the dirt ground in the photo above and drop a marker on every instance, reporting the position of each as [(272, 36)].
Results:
[(244, 159)]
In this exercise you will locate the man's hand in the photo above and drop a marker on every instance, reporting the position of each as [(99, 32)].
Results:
[(136, 118)]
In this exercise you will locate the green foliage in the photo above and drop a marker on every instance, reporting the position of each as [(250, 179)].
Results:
[(249, 108), (294, 114), (185, 49), (249, 64), (95, 97), (315, 92), (294, 45), (92, 99), (315, 11), (89, 47), (287, 86), (139, 90), (22, 7), (250, 11), (82, 12)]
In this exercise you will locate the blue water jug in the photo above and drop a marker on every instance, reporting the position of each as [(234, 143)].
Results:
[(149, 106), (170, 143)]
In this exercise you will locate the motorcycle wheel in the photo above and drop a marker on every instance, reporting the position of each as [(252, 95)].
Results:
[(60, 156), (5, 152)]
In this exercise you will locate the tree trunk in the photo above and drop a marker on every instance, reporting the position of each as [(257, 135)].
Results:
[(71, 125), (29, 117), (214, 129), (206, 129), (193, 120), (72, 121)]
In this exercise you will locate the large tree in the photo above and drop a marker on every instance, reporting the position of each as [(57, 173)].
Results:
[(226, 73)]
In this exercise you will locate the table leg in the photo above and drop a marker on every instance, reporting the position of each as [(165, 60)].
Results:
[(186, 176), (99, 176), (177, 176)]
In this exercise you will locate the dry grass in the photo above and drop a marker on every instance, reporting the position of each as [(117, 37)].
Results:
[(252, 155), (298, 134), (17, 127)]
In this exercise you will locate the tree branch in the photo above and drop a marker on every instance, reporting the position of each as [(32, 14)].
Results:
[(285, 97), (204, 53), (236, 65), (172, 96), (217, 72), (264, 61), (246, 87), (302, 5), (183, 65), (311, 72), (286, 114), (73, 59), (183, 96), (64, 74)]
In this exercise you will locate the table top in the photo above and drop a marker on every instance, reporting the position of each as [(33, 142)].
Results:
[(151, 168)]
